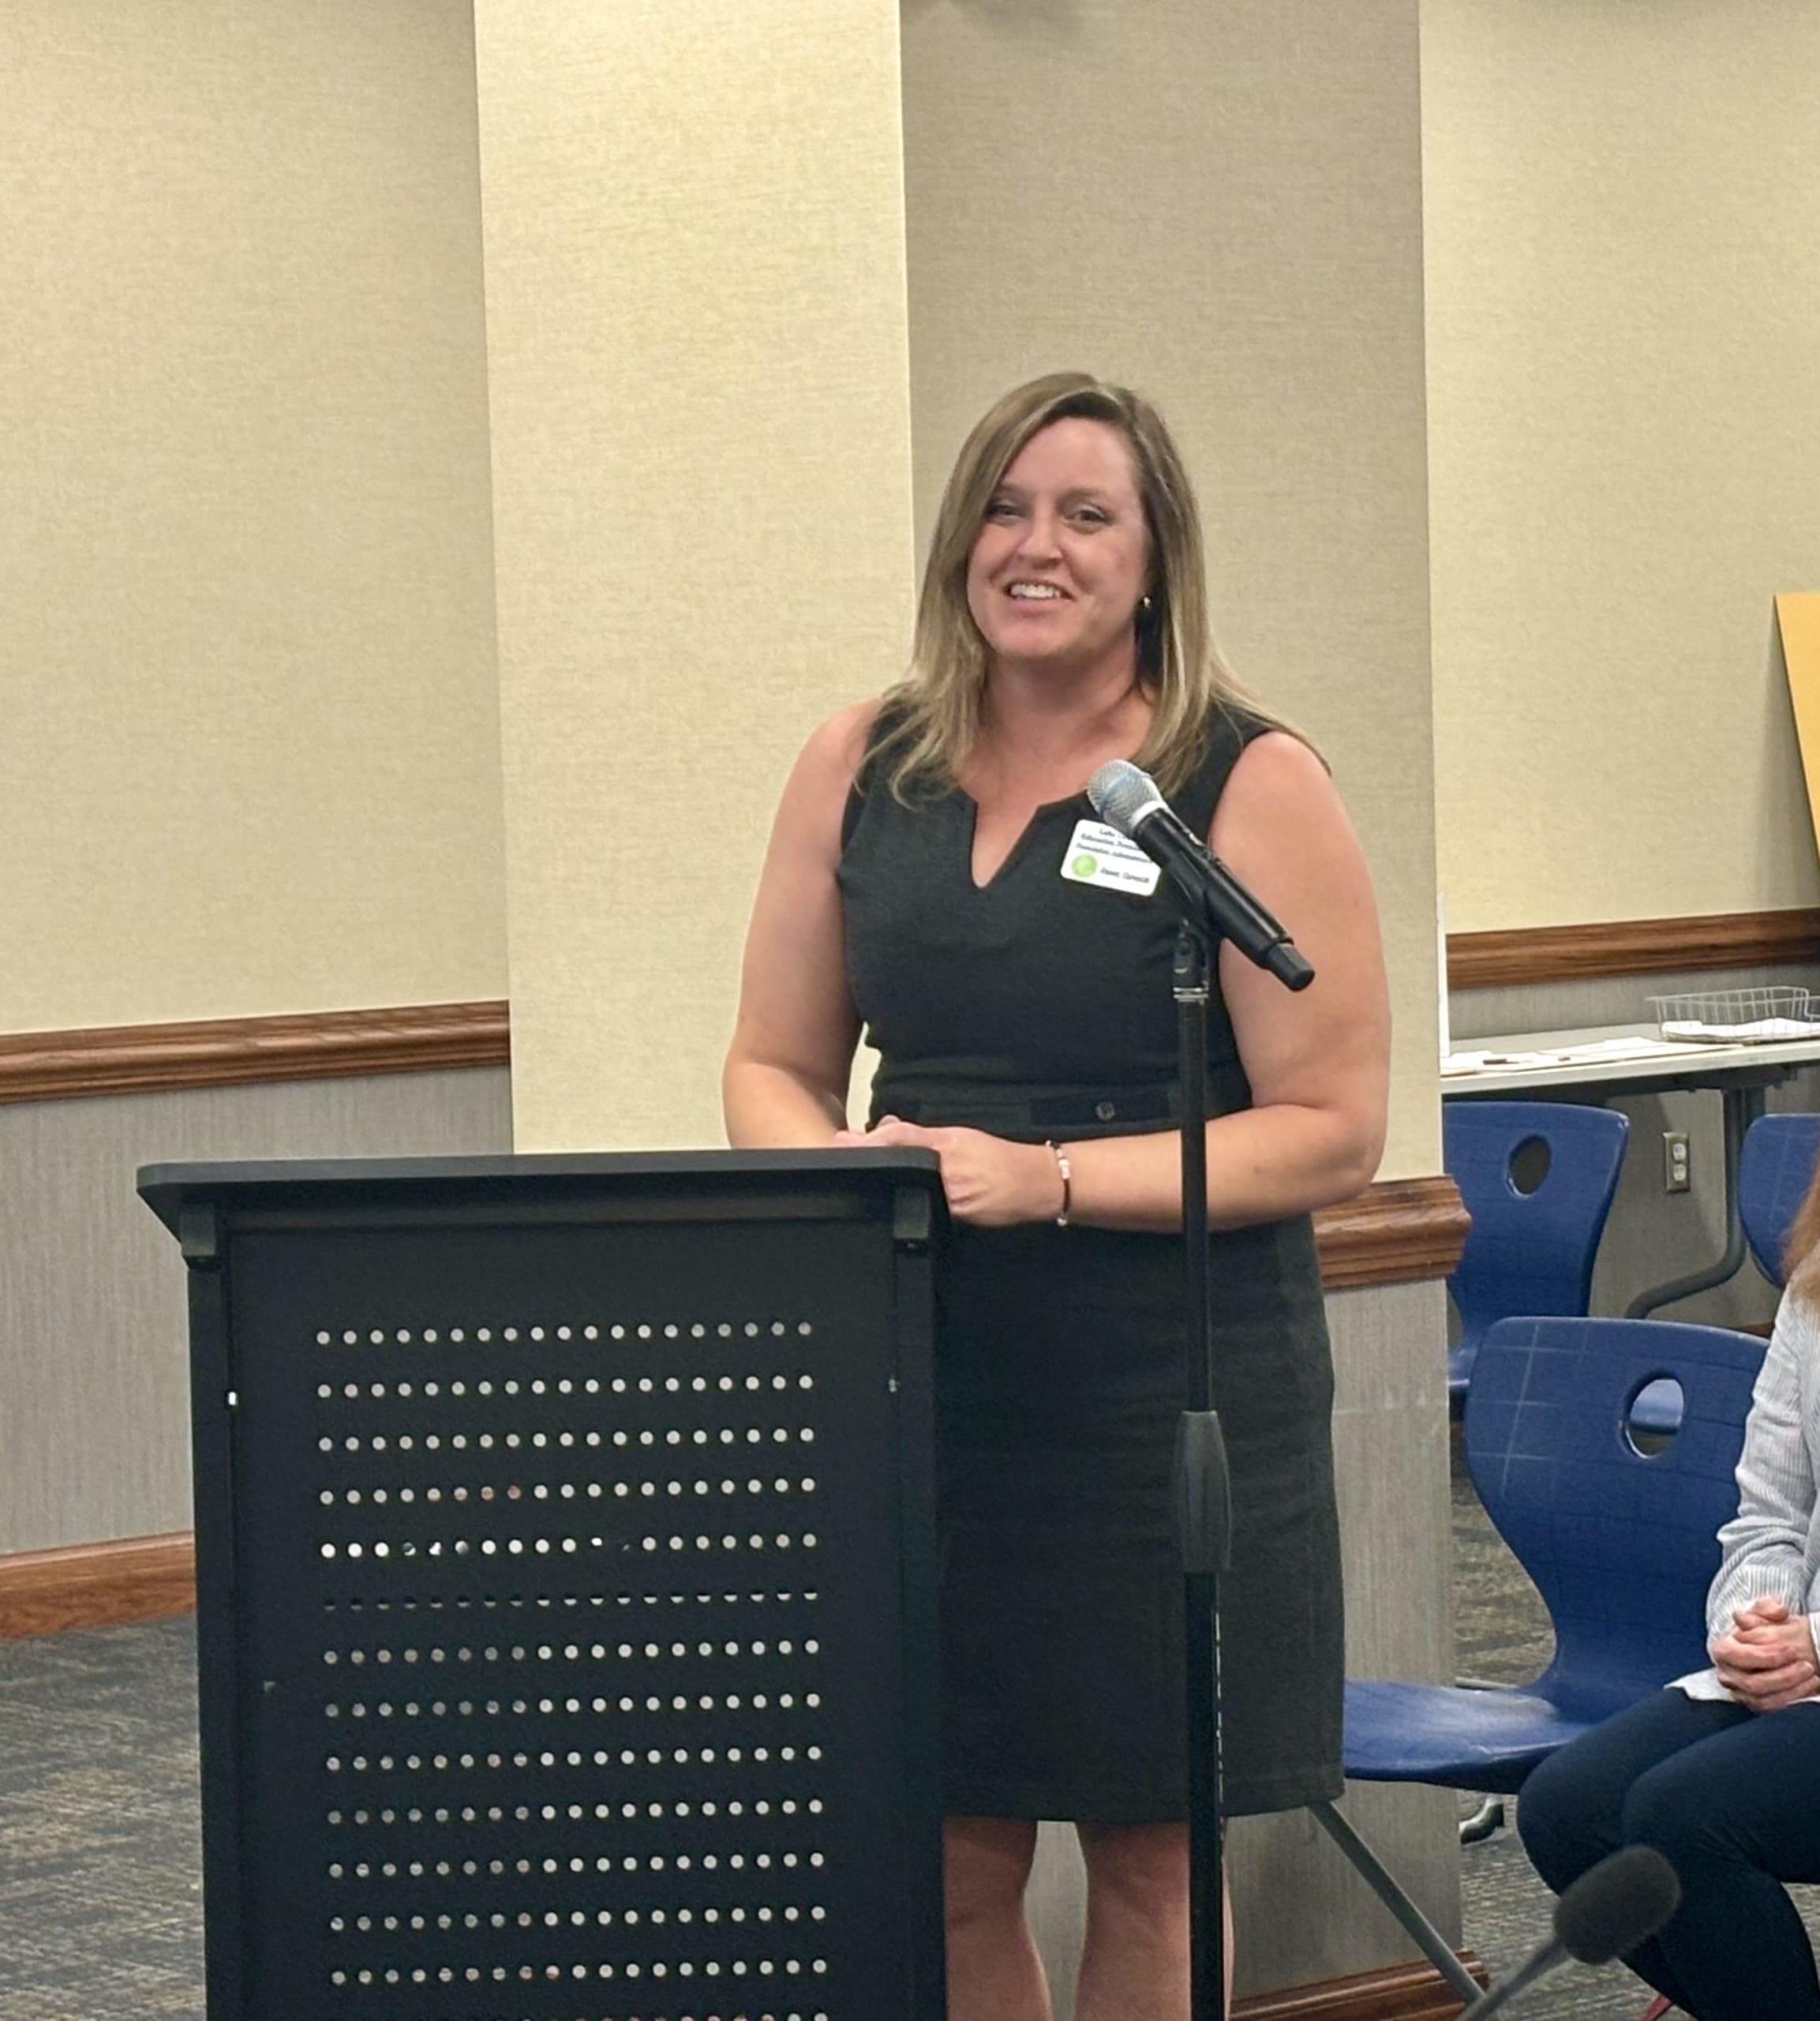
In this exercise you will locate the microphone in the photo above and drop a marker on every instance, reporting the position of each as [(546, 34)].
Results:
[(1127, 800), (1609, 1910)]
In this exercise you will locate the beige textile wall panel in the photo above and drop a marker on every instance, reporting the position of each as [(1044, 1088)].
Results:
[(1623, 287), (1222, 207), (250, 755), (693, 227), (94, 1335)]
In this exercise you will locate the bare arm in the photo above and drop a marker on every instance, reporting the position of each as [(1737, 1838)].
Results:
[(784, 1082), (1318, 1061)]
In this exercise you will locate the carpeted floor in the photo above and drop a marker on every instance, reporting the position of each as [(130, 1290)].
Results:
[(100, 1897), (100, 1854)]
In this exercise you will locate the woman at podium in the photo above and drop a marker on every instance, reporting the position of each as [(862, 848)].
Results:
[(937, 878)]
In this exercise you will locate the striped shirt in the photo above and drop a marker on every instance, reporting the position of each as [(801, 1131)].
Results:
[(1772, 1545)]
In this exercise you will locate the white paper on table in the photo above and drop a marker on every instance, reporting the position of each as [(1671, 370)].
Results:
[(1758, 1031), (1593, 1054)]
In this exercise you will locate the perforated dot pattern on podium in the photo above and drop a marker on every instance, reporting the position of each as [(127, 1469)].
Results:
[(554, 1651)]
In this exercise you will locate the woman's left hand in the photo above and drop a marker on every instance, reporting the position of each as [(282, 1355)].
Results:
[(1768, 1658), (989, 1181)]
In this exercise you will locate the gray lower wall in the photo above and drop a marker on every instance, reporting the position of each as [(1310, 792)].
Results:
[(1652, 1236), (94, 1329)]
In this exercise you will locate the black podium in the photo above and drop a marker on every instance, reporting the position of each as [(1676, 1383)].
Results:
[(565, 1580)]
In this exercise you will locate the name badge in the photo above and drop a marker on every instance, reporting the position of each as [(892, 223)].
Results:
[(1097, 854)]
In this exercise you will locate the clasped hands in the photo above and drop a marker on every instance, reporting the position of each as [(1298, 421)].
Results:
[(1767, 1657), (988, 1180)]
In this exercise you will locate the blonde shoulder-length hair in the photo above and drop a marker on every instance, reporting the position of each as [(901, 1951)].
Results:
[(935, 715)]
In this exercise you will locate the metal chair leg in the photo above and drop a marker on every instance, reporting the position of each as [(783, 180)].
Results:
[(1489, 1817), (1435, 1947)]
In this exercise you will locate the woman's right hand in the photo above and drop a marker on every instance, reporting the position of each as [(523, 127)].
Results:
[(990, 1181), (1767, 1657)]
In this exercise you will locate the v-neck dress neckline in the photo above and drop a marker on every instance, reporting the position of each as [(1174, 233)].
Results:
[(1021, 843)]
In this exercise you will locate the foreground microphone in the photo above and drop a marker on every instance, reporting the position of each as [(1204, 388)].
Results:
[(1609, 1910), (1127, 800)]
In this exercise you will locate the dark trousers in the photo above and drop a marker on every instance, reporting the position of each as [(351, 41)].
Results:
[(1732, 1799)]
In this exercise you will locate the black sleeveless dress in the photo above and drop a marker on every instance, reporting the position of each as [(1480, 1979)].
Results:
[(1037, 1007)]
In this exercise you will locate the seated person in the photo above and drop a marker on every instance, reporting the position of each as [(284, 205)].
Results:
[(1721, 1771)]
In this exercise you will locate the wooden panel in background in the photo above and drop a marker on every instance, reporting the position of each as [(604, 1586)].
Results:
[(417, 1038), (1398, 1232), (1632, 947), (1399, 1992), (97, 1585)]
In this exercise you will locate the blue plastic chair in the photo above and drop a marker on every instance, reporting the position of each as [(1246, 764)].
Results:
[(1526, 1252), (1775, 1167), (1622, 1546)]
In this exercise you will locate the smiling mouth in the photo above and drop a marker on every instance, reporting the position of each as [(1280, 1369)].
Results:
[(1036, 592)]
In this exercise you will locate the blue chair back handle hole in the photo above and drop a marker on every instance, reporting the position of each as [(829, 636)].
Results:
[(1529, 1164), (1537, 1179), (1653, 1416)]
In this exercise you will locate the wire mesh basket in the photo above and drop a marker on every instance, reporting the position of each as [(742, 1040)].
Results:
[(1736, 1017)]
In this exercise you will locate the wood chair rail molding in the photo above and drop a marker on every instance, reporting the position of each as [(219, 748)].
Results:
[(1414, 1992), (1632, 947), (98, 1585), (1398, 1232), (123, 1060)]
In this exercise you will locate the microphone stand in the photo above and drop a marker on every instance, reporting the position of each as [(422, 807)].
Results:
[(1203, 1509)]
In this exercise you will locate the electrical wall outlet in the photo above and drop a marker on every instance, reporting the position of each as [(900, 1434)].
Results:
[(1675, 1179)]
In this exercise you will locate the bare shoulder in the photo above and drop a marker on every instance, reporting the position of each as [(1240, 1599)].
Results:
[(1279, 785), (1276, 762), (815, 798), (835, 747)]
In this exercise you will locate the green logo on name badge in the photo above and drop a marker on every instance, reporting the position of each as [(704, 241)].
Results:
[(1085, 865)]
